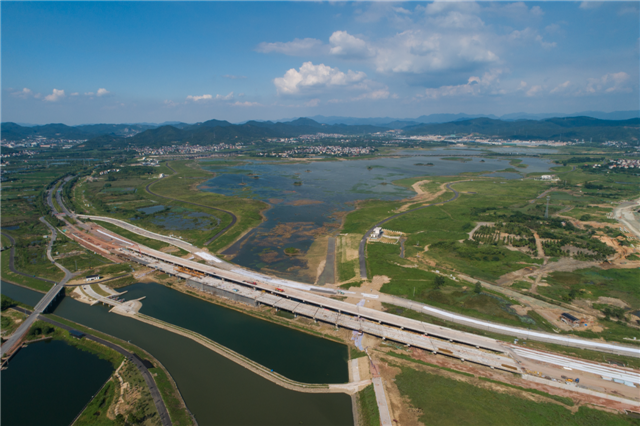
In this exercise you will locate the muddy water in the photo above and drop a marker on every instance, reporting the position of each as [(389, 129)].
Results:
[(301, 212), (216, 390)]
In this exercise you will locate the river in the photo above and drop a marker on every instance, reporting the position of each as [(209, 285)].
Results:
[(216, 390)]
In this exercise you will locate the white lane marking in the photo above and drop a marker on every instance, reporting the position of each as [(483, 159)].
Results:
[(115, 238), (531, 333), (371, 296)]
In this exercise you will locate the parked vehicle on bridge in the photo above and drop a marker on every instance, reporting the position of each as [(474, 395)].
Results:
[(279, 289)]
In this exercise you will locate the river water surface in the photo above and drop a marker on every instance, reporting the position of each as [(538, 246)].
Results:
[(216, 390), (49, 383)]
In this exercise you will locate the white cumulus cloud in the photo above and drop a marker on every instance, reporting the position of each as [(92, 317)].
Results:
[(590, 4), (489, 83), (199, 98), (225, 97), (311, 76), (297, 47), (344, 44), (246, 104), (561, 87), (26, 93), (102, 92), (534, 90), (55, 96), (608, 83)]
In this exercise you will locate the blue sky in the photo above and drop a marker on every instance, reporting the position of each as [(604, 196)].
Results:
[(108, 62)]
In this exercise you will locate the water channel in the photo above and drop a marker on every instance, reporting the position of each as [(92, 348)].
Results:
[(216, 390), (49, 383), (307, 198)]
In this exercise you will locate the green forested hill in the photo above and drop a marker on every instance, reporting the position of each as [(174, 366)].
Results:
[(568, 128)]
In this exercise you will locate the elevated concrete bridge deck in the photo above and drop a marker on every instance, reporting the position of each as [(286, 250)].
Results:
[(493, 357)]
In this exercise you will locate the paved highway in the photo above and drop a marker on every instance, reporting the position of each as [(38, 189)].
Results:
[(624, 215), (241, 274), (363, 242), (409, 323), (142, 232)]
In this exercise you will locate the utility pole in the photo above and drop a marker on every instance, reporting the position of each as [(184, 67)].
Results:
[(546, 212)]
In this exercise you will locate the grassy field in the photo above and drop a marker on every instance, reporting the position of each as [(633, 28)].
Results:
[(593, 283), (74, 257), (30, 251), (30, 282), (368, 407), (122, 197), (444, 401), (173, 401), (10, 320), (96, 412), (437, 239), (182, 185), (141, 409), (419, 285), (417, 361)]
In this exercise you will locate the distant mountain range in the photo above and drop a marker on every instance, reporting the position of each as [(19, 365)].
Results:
[(558, 128), (219, 131), (400, 123)]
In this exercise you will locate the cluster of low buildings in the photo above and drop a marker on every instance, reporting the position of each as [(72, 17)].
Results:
[(16, 154), (186, 149), (41, 142), (332, 150), (106, 172), (620, 164), (336, 137)]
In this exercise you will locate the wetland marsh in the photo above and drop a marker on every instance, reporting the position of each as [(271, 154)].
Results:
[(302, 215)]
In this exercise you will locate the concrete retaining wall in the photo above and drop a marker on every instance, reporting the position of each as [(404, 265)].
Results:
[(221, 293)]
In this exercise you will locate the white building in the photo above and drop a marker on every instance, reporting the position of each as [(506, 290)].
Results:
[(377, 232)]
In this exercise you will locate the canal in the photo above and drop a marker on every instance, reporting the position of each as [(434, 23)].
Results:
[(49, 383), (216, 390)]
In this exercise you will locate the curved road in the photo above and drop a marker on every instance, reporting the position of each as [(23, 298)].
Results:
[(12, 267), (43, 304), (234, 219), (153, 388), (363, 242)]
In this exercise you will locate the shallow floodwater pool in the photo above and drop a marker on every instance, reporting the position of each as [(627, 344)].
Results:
[(306, 196)]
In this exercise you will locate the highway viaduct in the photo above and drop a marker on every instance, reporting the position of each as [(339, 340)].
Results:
[(241, 277)]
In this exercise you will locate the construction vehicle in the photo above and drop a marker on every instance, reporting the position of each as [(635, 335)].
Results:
[(189, 271)]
